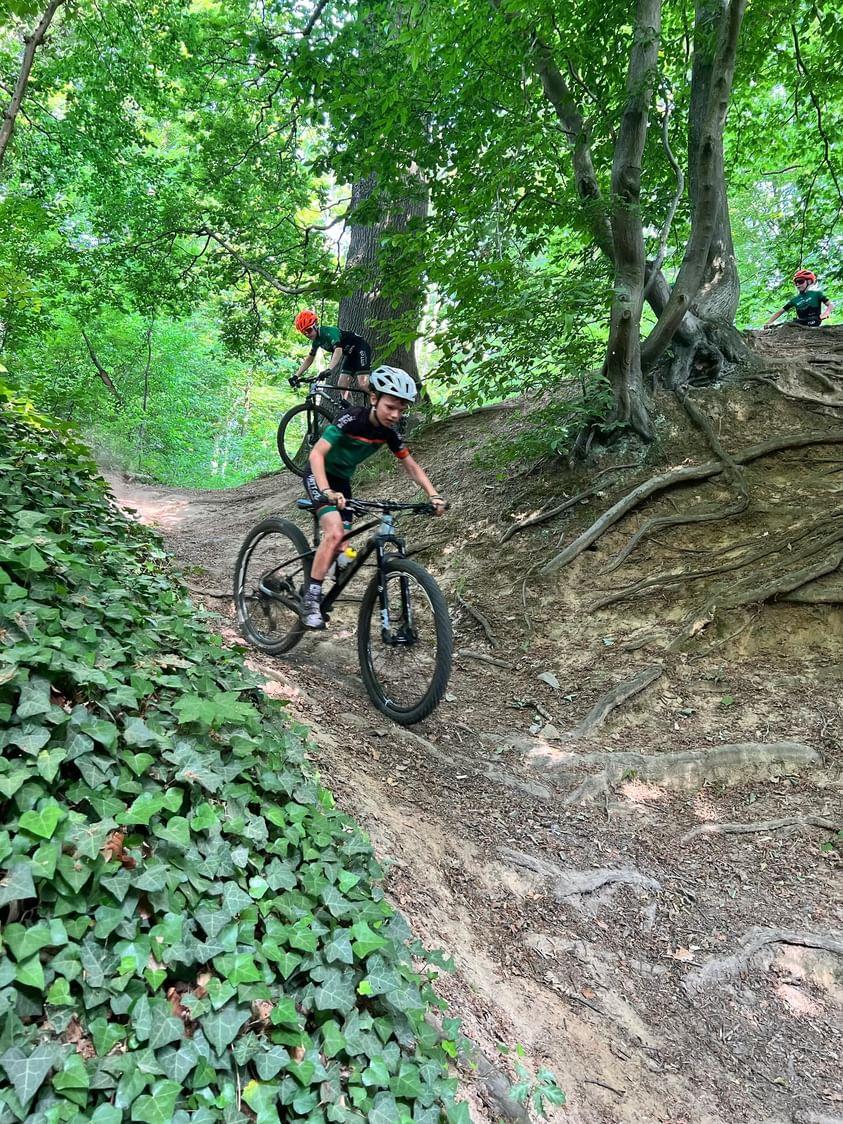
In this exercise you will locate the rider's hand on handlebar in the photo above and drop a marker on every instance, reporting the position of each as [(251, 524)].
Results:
[(335, 498), (295, 381), (439, 505)]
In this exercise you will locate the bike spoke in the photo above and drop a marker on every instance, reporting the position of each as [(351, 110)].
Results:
[(404, 663)]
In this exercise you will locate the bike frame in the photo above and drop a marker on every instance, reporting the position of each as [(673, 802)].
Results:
[(378, 544)]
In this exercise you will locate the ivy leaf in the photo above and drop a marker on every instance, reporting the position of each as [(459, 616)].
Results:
[(221, 1027), (165, 1030), (34, 698), (25, 940), (333, 1040), (137, 733), (11, 782), (270, 1062), (17, 884), (157, 1107), (30, 973), (44, 821), (27, 1073), (384, 1110), (365, 939), (336, 990)]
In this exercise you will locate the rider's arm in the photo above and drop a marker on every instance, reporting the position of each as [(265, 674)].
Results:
[(336, 360), (305, 365), (775, 316), (415, 471), (828, 309)]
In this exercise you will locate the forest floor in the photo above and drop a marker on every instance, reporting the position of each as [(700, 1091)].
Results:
[(648, 903)]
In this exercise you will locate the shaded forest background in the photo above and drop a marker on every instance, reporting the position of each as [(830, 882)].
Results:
[(486, 188)]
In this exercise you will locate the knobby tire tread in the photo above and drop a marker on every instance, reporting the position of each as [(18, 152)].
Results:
[(444, 644)]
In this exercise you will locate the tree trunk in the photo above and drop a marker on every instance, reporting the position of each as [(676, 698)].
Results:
[(623, 356), (32, 43), (709, 191), (385, 306), (719, 293)]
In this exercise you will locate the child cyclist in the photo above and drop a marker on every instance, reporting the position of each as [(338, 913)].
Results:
[(357, 433), (807, 302), (348, 350)]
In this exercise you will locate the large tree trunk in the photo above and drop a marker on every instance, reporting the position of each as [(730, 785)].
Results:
[(719, 293), (385, 306), (623, 355), (32, 42), (708, 194)]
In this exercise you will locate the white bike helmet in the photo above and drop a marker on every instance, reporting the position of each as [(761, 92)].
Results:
[(393, 380)]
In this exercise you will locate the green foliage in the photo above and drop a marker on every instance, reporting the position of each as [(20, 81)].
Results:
[(541, 1090), (552, 429), (191, 931)]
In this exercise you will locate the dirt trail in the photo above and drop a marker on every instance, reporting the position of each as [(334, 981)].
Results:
[(598, 914)]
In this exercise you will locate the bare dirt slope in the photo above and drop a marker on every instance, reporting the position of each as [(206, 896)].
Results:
[(648, 902)]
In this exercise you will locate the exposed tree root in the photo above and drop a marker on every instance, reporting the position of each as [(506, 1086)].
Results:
[(835, 402), (480, 618), (672, 580), (725, 764), (571, 884), (750, 593), (684, 475), (545, 516), (808, 595), (218, 594), (613, 699), (719, 969), (731, 471), (764, 825)]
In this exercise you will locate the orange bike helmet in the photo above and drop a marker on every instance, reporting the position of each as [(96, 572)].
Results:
[(804, 275), (305, 320)]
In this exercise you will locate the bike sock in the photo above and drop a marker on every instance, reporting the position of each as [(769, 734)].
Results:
[(314, 591)]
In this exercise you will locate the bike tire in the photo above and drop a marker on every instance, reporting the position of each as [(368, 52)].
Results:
[(295, 437), (435, 670), (270, 620)]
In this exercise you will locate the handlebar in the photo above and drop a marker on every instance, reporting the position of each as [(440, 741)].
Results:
[(360, 507)]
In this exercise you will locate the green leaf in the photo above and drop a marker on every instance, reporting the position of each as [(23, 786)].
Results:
[(73, 1074), (221, 1027), (365, 939), (157, 1107), (137, 733), (27, 1072), (25, 940), (16, 884), (270, 1062), (384, 1110), (45, 821), (34, 698), (335, 991), (30, 973)]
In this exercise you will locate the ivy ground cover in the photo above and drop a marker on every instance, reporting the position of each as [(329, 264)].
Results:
[(191, 932)]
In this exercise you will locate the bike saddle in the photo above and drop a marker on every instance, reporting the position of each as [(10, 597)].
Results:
[(305, 504)]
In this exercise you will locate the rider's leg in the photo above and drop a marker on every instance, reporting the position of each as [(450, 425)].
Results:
[(332, 531)]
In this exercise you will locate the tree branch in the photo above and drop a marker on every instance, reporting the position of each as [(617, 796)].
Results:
[(32, 43), (105, 377)]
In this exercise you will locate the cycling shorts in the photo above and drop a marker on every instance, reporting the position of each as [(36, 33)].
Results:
[(314, 493)]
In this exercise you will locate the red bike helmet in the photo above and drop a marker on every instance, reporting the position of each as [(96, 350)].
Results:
[(305, 320), (804, 275)]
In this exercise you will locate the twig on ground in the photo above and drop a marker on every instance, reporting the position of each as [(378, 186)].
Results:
[(480, 618), (219, 594), (605, 1085), (467, 654), (766, 825)]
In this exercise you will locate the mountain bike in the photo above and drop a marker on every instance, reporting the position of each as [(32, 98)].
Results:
[(404, 636), (303, 425)]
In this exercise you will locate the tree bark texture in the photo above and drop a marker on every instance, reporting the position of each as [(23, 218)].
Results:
[(719, 293), (623, 356), (709, 189), (382, 303), (32, 43)]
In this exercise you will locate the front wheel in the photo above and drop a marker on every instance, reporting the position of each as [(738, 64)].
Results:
[(405, 651), (271, 572), (299, 430)]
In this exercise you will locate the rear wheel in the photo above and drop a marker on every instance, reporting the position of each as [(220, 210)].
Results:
[(271, 572), (405, 660), (299, 430)]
